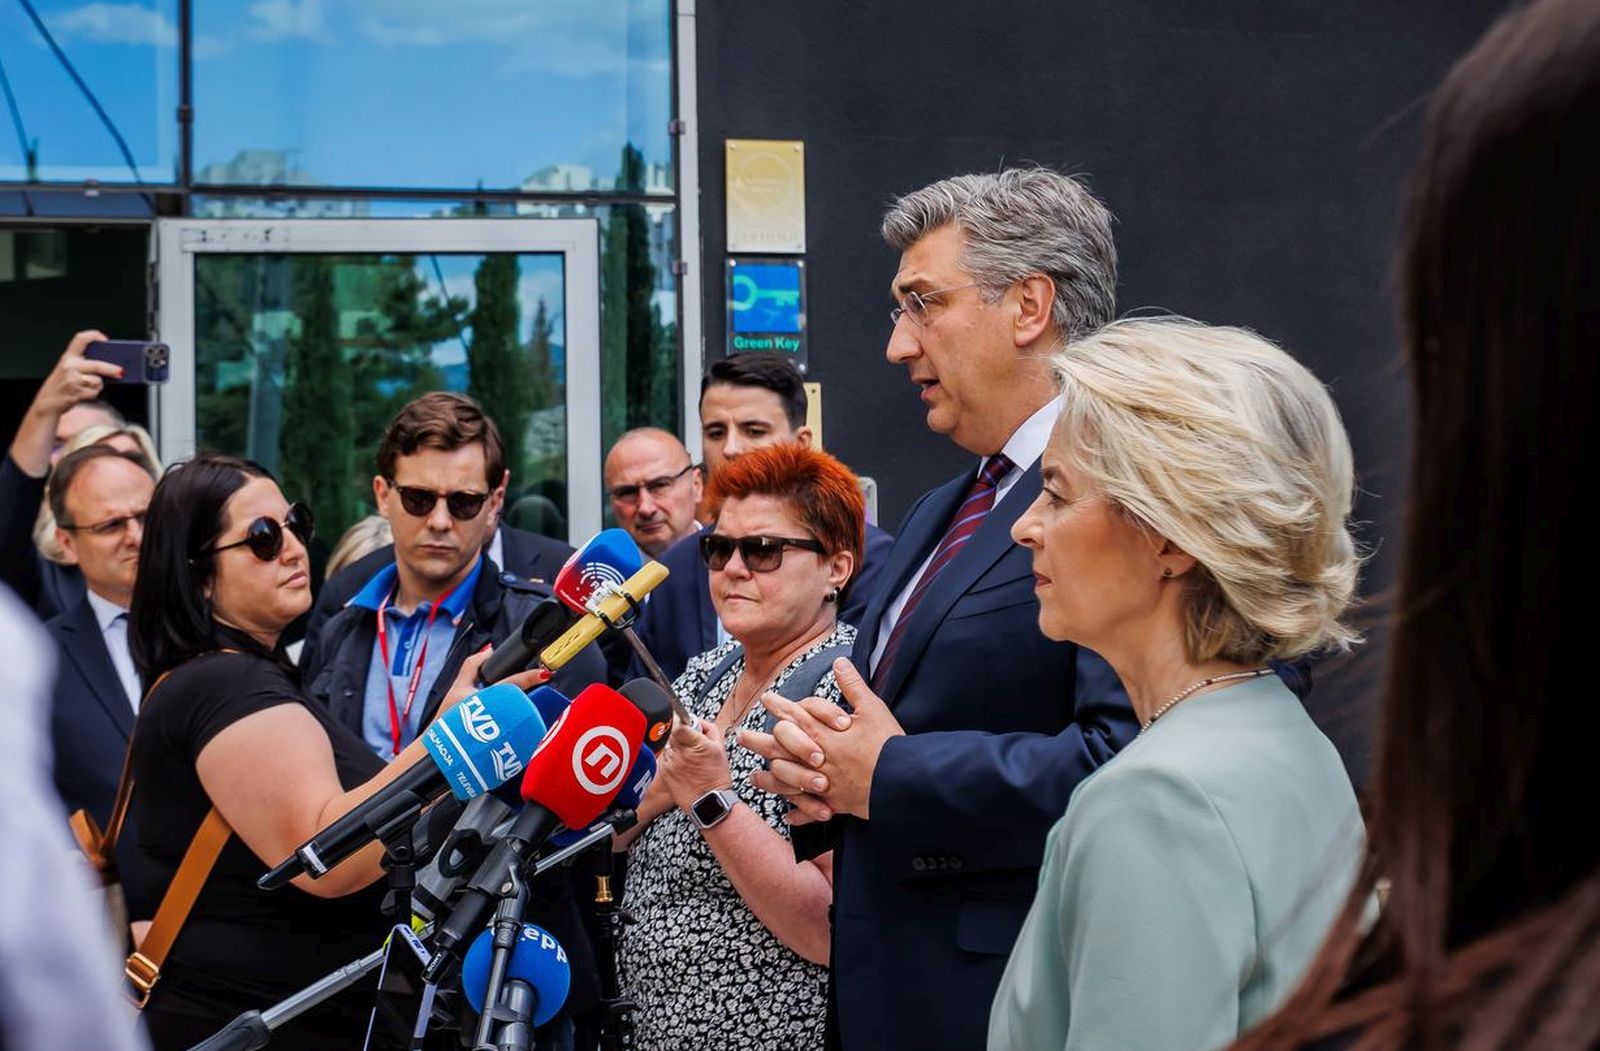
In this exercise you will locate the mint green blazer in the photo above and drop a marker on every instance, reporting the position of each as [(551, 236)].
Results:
[(1188, 885)]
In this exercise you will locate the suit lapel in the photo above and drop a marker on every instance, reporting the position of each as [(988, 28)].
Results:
[(86, 648), (987, 546), (920, 532)]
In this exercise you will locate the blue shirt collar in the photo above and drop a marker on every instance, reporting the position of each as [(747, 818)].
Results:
[(382, 585)]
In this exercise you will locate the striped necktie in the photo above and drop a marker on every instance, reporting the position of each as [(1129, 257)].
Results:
[(968, 517)]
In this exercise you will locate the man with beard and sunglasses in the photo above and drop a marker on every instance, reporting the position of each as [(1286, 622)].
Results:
[(383, 662)]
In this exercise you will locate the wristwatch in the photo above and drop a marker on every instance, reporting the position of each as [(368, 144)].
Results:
[(711, 808)]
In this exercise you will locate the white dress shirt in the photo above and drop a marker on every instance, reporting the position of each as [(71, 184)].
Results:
[(113, 621), (1025, 445)]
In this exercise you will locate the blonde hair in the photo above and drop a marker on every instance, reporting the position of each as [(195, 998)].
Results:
[(1219, 441), (360, 540), (44, 526)]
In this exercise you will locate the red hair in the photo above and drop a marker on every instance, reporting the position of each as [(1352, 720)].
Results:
[(821, 491)]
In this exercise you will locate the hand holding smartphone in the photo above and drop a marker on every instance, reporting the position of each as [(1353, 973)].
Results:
[(141, 361)]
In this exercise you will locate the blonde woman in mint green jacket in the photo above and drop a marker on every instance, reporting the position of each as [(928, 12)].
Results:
[(1193, 526)]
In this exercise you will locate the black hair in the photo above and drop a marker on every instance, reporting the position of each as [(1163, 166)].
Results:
[(767, 370), (170, 618)]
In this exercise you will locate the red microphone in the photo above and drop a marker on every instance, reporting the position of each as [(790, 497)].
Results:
[(572, 777), (580, 765)]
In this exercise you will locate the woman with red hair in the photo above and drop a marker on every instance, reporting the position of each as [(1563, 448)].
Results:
[(731, 947)]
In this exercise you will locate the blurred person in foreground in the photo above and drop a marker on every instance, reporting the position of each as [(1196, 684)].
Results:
[(731, 947), (1193, 525), (223, 571), (65, 404), (1490, 934), (58, 985)]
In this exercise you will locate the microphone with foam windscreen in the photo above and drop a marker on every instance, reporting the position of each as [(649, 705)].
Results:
[(472, 748), (572, 779), (628, 797), (538, 965), (608, 608), (604, 564)]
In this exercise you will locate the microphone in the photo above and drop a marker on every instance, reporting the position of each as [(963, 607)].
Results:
[(517, 651), (572, 778), (473, 747), (656, 705), (538, 963), (604, 564), (628, 797), (614, 607)]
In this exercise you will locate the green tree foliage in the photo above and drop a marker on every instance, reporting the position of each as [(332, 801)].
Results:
[(497, 369), (316, 454), (639, 372)]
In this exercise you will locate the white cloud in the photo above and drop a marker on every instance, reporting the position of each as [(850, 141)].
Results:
[(286, 19), (115, 24), (556, 36)]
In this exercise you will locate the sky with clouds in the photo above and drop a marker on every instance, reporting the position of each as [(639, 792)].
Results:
[(358, 92)]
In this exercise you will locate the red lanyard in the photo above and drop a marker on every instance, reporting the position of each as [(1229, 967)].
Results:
[(398, 715)]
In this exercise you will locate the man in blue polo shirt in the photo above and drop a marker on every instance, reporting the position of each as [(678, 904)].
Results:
[(384, 662)]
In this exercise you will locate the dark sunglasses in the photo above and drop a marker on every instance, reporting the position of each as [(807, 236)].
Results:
[(264, 536), (761, 554), (419, 503)]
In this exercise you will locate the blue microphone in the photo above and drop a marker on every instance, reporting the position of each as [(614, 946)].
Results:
[(474, 747), (604, 563), (538, 963)]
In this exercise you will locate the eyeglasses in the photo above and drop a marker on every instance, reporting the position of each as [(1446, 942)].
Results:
[(761, 554), (418, 502), (915, 304), (110, 527), (656, 487), (264, 536)]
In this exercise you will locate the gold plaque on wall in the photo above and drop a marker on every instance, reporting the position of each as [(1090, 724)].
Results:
[(766, 194)]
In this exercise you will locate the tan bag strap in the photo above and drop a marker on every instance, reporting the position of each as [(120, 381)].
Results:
[(144, 966)]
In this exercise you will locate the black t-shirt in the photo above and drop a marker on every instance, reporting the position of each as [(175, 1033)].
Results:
[(240, 947)]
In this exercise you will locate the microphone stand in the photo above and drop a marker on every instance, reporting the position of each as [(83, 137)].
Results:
[(507, 928), (616, 1021), (251, 1030), (399, 859)]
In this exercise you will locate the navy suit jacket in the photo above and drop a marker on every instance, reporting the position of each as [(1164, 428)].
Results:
[(90, 720), (1001, 725), (679, 623)]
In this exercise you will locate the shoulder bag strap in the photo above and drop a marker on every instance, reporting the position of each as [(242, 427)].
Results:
[(715, 675), (143, 968)]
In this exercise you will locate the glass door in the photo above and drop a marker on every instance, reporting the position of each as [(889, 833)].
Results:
[(295, 341)]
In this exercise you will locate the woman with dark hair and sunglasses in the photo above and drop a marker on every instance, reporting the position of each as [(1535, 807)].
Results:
[(222, 573), (731, 948)]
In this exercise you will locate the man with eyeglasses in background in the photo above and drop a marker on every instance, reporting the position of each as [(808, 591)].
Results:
[(654, 488), (98, 496), (747, 401)]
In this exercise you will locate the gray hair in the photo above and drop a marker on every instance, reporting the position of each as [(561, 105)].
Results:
[(1019, 222)]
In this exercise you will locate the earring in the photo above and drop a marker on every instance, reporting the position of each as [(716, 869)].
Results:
[(1166, 571), (832, 595)]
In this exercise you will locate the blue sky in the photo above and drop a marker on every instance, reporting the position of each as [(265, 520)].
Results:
[(361, 92)]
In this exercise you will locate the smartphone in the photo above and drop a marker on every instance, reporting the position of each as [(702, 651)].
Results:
[(141, 360), (404, 1002)]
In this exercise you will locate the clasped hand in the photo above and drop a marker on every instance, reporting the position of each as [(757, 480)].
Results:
[(820, 757)]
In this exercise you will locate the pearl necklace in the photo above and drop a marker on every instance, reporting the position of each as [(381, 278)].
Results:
[(1202, 684)]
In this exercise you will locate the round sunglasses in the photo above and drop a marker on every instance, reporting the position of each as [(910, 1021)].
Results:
[(462, 504), (761, 554), (264, 536)]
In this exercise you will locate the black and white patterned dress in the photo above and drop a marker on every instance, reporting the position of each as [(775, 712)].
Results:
[(707, 974)]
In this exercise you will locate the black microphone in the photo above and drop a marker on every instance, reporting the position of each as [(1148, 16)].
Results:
[(549, 619), (656, 706)]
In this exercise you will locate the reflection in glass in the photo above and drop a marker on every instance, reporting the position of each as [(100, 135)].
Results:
[(303, 359), (126, 55), (535, 95)]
